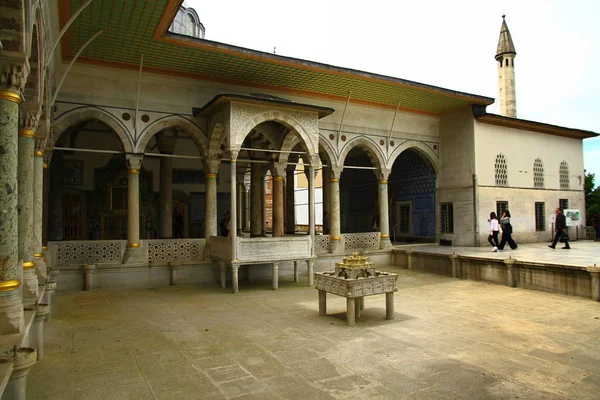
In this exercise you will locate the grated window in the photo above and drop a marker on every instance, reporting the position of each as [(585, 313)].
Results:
[(501, 170), (538, 173), (564, 175)]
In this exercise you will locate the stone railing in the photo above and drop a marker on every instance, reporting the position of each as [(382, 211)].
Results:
[(361, 241), (322, 244), (175, 249), (87, 252)]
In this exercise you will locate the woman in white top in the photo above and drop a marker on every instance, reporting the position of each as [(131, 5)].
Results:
[(493, 238)]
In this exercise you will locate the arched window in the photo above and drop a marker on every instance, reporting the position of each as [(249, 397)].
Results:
[(563, 173), (501, 170), (538, 173), (189, 25)]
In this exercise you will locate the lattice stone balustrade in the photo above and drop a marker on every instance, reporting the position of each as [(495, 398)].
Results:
[(87, 252), (322, 244), (176, 249), (360, 241)]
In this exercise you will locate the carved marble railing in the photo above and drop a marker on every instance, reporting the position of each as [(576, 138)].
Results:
[(252, 250), (175, 249), (87, 252), (361, 241), (322, 244)]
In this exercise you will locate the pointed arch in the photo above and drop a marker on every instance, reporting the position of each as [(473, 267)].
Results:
[(80, 114), (370, 147), (216, 135), (326, 147), (282, 118), (419, 147), (174, 121)]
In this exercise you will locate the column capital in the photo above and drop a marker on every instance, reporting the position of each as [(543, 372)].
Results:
[(382, 175), (40, 145), (278, 168), (47, 158), (211, 165), (336, 172), (14, 70), (29, 117), (134, 160)]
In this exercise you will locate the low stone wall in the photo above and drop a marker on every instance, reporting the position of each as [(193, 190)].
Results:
[(564, 279)]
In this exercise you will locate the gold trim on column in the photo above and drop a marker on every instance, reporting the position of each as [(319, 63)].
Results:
[(334, 180), (335, 238), (134, 171), (210, 176), (28, 133), (45, 166), (28, 265), (384, 236), (9, 286), (278, 178), (11, 96), (382, 182), (44, 247), (39, 153), (38, 255), (133, 245), (233, 160)]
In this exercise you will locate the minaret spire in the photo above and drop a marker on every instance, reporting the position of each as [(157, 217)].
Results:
[(505, 55)]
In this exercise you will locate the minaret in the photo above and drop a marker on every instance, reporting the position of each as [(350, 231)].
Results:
[(505, 55)]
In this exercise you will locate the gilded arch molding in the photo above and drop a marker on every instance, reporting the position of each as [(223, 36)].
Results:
[(76, 115), (174, 121)]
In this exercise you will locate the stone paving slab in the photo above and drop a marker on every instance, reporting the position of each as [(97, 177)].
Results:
[(450, 339)]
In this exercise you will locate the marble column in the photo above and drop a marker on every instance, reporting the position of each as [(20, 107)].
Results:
[(290, 202), (335, 237), (55, 216), (25, 210), (240, 207), (233, 188), (325, 184), (11, 306), (166, 145), (277, 206), (211, 169), (311, 206), (256, 183), (165, 200), (246, 209), (38, 209), (384, 218), (46, 202), (133, 253)]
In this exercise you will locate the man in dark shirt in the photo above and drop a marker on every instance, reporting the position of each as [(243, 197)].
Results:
[(560, 226)]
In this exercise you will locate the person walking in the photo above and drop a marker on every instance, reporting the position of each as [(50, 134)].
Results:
[(560, 226), (597, 226), (493, 237), (507, 231)]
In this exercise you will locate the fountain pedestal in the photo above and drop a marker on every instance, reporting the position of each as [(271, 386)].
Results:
[(354, 279)]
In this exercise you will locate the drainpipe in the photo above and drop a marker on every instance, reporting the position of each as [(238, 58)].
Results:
[(476, 211)]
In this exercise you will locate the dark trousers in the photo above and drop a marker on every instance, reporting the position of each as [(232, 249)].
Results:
[(493, 239), (507, 237), (557, 238)]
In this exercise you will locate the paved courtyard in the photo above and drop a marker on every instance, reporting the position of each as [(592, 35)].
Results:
[(451, 339)]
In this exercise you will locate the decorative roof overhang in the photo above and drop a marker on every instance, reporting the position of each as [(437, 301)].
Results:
[(532, 126), (134, 28), (260, 99)]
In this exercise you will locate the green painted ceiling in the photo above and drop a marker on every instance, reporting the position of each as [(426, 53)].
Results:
[(129, 27)]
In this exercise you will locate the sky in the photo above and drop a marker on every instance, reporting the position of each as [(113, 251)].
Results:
[(450, 44)]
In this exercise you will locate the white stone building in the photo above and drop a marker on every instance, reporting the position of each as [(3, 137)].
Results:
[(136, 139)]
